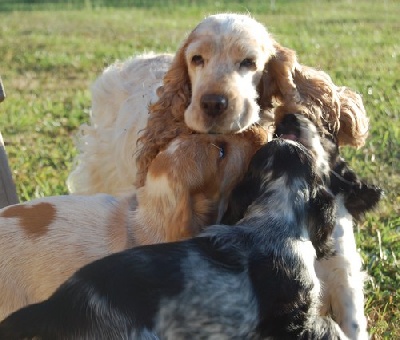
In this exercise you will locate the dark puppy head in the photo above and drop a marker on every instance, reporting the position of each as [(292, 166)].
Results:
[(271, 162), (284, 175), (359, 196)]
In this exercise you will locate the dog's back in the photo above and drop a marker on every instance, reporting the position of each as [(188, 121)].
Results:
[(211, 287), (44, 241), (173, 288), (107, 144)]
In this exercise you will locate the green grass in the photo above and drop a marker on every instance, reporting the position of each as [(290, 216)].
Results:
[(49, 58)]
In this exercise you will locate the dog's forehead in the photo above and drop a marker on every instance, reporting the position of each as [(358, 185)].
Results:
[(300, 121), (225, 22), (235, 29), (283, 156)]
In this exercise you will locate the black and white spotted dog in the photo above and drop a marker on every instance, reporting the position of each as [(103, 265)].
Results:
[(255, 280), (341, 275)]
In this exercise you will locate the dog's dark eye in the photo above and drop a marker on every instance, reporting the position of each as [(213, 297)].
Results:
[(247, 63), (197, 60), (221, 148), (221, 152)]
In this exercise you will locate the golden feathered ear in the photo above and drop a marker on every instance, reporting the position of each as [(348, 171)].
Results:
[(277, 85), (166, 120), (339, 110), (290, 85), (318, 93), (354, 122)]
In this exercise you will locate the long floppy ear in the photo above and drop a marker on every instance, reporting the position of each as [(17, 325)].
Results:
[(163, 213), (180, 227), (166, 120), (322, 219), (317, 90), (240, 199), (359, 196), (341, 109), (288, 83), (354, 122), (277, 84), (362, 199)]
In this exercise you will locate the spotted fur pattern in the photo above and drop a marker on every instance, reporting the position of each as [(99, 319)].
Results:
[(255, 280), (341, 276)]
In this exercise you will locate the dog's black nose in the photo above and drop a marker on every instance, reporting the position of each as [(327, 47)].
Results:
[(213, 104)]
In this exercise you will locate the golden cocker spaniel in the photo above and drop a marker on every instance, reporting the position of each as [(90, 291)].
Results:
[(228, 74)]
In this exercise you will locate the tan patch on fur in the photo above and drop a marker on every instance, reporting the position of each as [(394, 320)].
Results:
[(34, 219), (161, 165)]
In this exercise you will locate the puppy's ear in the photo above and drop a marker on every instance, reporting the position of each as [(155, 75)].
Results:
[(359, 196), (322, 219), (362, 199), (166, 119), (180, 226), (277, 81), (241, 198)]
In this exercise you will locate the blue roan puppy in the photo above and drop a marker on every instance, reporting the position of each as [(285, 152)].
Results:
[(254, 280)]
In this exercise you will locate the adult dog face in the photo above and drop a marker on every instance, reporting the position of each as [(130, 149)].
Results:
[(225, 56), (230, 73)]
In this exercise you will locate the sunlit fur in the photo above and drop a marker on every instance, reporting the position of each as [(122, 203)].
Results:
[(44, 241), (341, 275), (108, 142), (115, 151), (254, 280)]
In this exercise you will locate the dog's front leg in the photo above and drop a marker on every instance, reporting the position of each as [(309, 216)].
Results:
[(342, 279)]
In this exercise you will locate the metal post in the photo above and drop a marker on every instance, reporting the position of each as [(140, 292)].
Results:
[(8, 193)]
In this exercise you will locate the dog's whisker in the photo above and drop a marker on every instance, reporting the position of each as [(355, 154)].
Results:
[(219, 148)]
